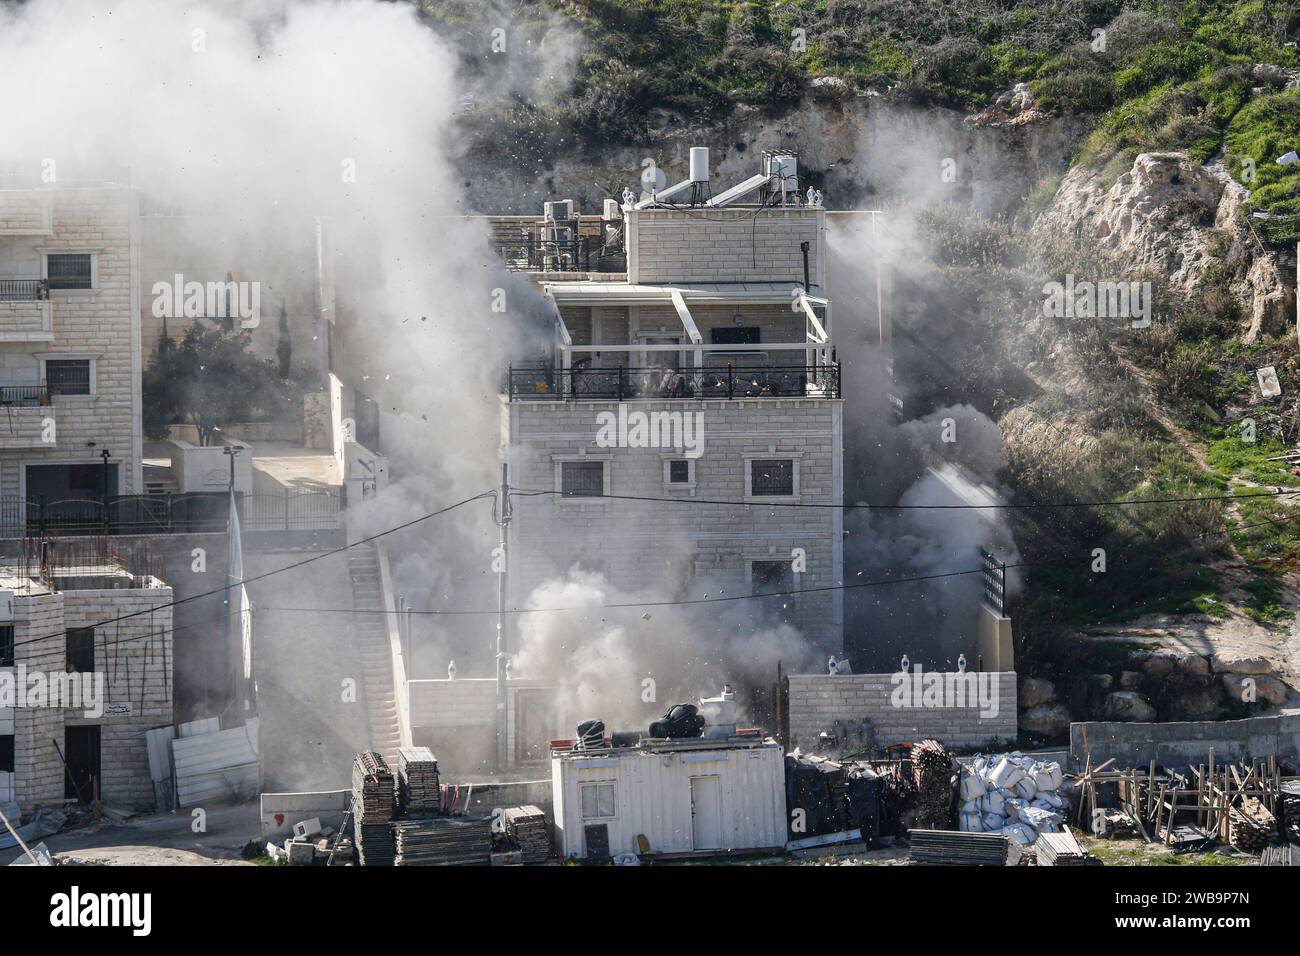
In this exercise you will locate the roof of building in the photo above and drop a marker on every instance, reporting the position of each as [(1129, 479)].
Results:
[(701, 293)]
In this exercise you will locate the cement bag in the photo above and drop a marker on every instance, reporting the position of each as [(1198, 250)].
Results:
[(993, 822), (972, 787), (1039, 818), (1025, 788), (1049, 800), (1054, 774), (997, 802), (1006, 774), (971, 823), (972, 806), (1019, 833)]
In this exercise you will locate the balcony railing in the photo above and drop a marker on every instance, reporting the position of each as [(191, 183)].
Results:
[(541, 383), (194, 513), (24, 396), (24, 290)]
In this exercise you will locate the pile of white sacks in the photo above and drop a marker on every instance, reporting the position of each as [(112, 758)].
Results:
[(1014, 795)]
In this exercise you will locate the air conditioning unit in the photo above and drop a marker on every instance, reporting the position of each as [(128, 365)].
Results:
[(613, 210), (562, 235), (561, 210)]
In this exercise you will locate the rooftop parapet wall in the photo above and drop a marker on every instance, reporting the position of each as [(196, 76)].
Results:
[(724, 245)]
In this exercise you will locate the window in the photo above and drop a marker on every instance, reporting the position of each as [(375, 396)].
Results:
[(772, 478), (736, 336), (6, 645), (7, 753), (70, 270), (582, 479), (68, 376), (679, 472), (81, 650), (597, 800), (776, 578)]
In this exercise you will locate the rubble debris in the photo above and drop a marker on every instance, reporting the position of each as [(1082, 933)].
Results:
[(950, 848), (1012, 794)]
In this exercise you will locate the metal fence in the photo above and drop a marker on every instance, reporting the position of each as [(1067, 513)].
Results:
[(621, 384), (531, 253), (995, 583), (196, 513)]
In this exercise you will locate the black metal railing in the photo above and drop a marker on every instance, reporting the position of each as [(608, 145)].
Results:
[(532, 253), (995, 583), (24, 290), (541, 383), (194, 513), (24, 395)]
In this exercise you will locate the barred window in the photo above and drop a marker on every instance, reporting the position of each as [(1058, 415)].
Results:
[(70, 271), (582, 479), (772, 477), (67, 376)]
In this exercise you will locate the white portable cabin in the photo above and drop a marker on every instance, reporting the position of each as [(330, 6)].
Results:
[(701, 797)]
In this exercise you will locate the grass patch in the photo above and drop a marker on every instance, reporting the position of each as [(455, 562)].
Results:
[(1231, 457), (1264, 601), (1137, 853)]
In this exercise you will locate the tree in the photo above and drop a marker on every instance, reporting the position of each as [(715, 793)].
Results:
[(284, 348), (210, 379)]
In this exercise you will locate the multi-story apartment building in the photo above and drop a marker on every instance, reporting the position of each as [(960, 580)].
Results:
[(70, 422), (77, 694), (701, 382)]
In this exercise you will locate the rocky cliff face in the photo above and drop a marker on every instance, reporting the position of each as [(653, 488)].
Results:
[(1176, 218), (862, 151)]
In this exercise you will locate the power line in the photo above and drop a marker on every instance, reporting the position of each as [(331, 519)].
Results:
[(267, 574), (639, 604), (875, 507)]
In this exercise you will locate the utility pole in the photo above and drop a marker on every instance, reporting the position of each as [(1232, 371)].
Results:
[(232, 451), (503, 521)]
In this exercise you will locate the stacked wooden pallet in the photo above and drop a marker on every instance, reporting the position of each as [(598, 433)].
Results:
[(526, 827), (373, 804), (443, 841), (419, 789), (951, 848)]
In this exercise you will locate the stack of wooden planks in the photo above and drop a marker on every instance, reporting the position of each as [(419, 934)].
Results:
[(951, 848), (419, 789), (526, 827), (373, 803), (1250, 826), (1062, 849), (444, 841)]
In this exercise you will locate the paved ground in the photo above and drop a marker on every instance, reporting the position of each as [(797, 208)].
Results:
[(163, 839)]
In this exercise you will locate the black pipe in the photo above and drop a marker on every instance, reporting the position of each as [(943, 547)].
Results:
[(803, 246)]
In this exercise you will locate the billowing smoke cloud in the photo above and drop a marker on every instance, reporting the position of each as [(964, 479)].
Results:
[(629, 665), (915, 433)]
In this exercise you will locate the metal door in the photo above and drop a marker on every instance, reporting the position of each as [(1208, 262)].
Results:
[(706, 812)]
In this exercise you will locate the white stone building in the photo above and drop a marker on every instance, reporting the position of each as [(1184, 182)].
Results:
[(705, 375), (70, 362), (119, 676)]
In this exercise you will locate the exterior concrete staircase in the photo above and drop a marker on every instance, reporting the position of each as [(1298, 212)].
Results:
[(370, 631)]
